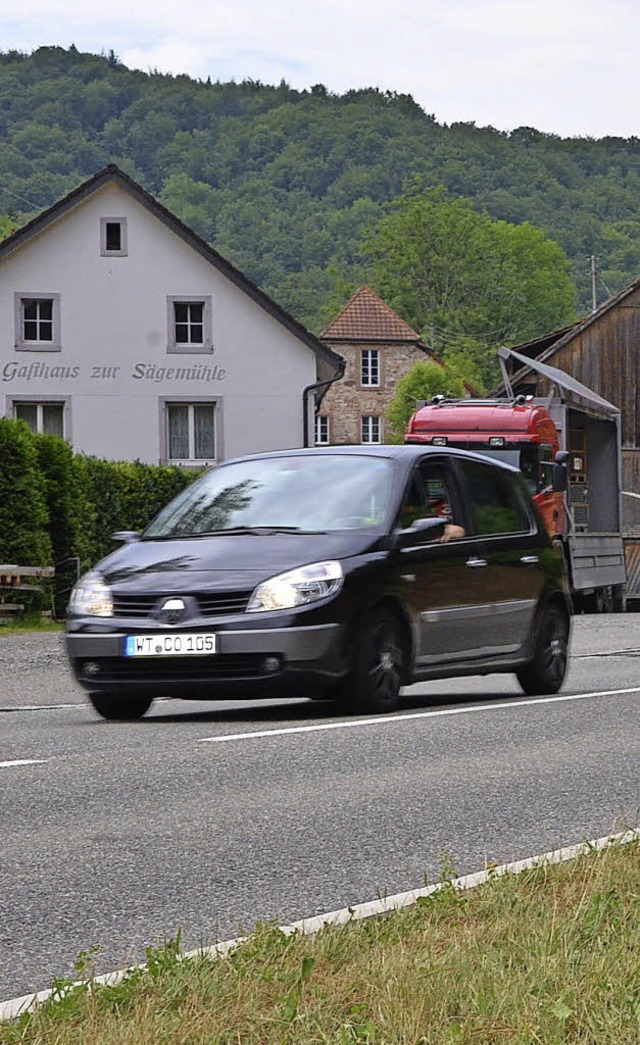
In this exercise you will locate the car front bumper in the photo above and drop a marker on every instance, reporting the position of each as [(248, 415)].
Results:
[(267, 662)]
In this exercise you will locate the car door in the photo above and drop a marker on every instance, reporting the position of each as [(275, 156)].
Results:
[(441, 582), (511, 546)]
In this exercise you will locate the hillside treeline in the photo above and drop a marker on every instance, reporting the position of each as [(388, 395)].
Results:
[(288, 184)]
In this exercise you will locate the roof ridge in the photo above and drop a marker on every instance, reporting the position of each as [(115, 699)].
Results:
[(111, 172), (366, 317)]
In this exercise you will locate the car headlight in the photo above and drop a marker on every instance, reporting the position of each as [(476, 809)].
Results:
[(91, 597), (297, 587)]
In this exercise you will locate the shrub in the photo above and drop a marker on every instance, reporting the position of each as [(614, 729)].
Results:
[(421, 382), (24, 519), (55, 458), (119, 495), (60, 508)]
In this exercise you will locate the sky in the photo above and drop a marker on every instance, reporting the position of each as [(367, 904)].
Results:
[(565, 67)]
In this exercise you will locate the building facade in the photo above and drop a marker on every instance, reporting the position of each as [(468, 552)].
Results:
[(125, 333), (378, 348)]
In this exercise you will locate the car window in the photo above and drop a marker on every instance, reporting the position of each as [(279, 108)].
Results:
[(496, 499), (429, 495)]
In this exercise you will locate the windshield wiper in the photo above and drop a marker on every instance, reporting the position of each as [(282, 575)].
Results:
[(252, 531)]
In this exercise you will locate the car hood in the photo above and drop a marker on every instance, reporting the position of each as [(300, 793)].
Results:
[(221, 562)]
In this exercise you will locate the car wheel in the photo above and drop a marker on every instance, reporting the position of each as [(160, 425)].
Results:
[(547, 668), (120, 707), (379, 667)]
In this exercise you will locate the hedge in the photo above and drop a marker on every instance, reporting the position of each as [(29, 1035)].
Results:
[(58, 508), (24, 516)]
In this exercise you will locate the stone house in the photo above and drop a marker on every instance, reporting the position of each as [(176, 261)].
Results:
[(378, 348)]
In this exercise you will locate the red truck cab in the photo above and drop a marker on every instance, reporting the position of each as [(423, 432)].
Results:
[(520, 432)]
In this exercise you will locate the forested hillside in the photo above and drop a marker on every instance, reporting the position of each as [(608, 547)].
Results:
[(287, 183)]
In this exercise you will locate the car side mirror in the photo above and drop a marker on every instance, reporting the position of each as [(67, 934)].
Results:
[(126, 536), (434, 527), (559, 474)]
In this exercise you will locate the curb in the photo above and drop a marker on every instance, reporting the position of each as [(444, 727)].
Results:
[(308, 926)]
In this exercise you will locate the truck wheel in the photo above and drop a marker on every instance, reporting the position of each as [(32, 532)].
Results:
[(547, 668), (120, 707), (379, 666)]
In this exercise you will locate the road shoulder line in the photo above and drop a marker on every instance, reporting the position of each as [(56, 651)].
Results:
[(308, 926)]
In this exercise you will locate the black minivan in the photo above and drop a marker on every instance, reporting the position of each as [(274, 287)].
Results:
[(336, 573)]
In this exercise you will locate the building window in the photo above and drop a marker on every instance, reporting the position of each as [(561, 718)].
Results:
[(189, 321), (113, 237), (190, 432), (371, 429), (37, 322), (189, 325), (370, 368), (322, 429), (42, 418)]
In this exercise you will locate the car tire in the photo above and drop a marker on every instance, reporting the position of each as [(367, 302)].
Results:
[(373, 686), (546, 670), (120, 707)]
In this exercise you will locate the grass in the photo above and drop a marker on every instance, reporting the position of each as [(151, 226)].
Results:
[(551, 955), (28, 622)]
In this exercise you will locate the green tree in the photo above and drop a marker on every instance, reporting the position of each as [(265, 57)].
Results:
[(423, 381), (463, 279), (7, 226)]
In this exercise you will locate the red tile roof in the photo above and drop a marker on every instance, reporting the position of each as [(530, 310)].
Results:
[(366, 318)]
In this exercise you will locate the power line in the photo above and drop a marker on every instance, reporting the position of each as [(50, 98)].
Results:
[(35, 206)]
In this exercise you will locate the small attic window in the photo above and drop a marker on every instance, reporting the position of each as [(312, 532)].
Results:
[(113, 237)]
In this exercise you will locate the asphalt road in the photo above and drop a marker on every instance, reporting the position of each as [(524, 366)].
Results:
[(205, 818)]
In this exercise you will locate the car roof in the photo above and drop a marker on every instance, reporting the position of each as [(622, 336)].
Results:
[(396, 451)]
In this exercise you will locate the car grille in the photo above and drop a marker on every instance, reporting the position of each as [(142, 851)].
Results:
[(211, 604), (178, 669)]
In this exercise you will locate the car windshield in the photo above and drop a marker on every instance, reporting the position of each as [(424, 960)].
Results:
[(306, 493)]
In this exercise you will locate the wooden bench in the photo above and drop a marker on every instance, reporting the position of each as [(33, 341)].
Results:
[(12, 581), (11, 575)]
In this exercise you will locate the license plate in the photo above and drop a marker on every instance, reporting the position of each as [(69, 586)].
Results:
[(183, 644)]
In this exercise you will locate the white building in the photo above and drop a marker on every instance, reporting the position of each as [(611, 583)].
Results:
[(123, 331)]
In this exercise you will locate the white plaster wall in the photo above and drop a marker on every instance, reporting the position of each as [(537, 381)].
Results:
[(114, 314)]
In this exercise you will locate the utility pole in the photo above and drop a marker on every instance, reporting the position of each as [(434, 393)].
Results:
[(594, 296)]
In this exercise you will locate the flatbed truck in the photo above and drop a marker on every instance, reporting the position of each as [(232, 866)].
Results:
[(571, 424)]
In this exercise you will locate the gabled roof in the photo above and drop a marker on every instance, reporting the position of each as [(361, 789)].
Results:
[(546, 347), (112, 173), (539, 345), (366, 317)]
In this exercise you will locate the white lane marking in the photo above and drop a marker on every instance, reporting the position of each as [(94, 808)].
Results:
[(381, 720), (309, 926), (23, 762), (40, 707)]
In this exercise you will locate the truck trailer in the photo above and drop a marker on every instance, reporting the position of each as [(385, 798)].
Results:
[(569, 423)]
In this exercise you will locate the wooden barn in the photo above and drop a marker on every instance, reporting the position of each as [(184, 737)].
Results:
[(603, 353)]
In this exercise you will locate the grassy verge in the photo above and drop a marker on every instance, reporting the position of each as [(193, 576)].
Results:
[(28, 622), (548, 956)]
